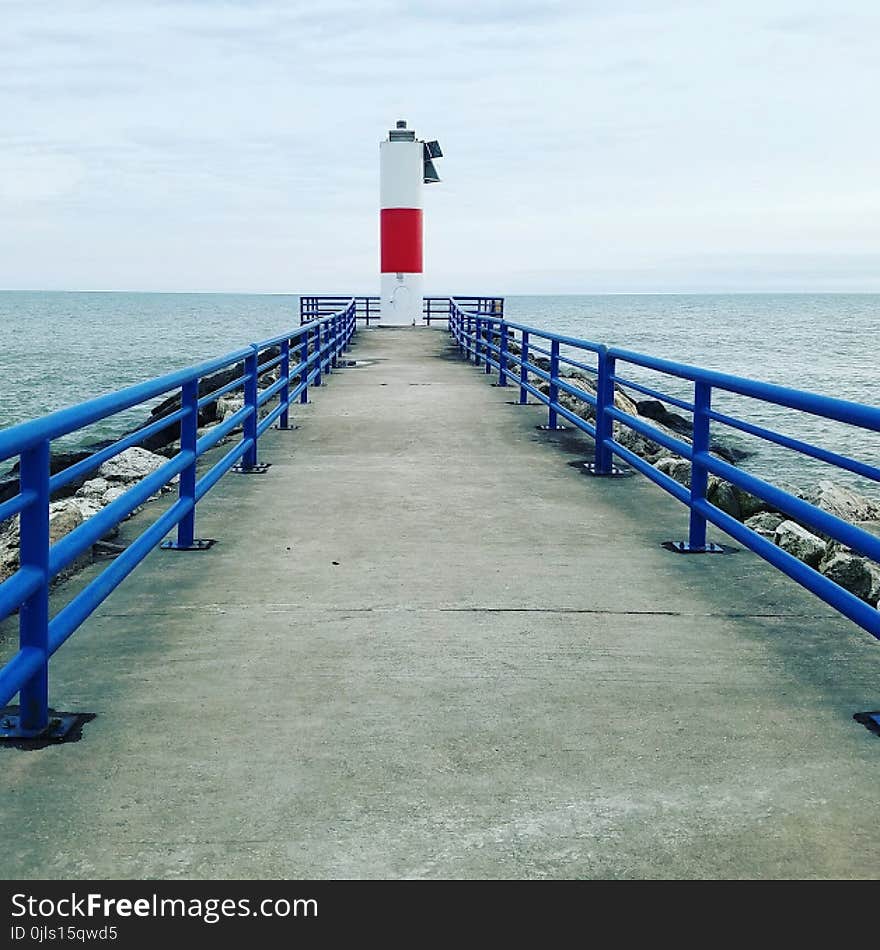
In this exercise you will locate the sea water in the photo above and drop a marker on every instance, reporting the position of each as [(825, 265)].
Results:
[(57, 349)]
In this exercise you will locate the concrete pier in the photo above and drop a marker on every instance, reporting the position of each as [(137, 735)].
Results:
[(427, 646)]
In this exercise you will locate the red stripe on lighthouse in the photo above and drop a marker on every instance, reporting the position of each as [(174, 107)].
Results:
[(401, 233)]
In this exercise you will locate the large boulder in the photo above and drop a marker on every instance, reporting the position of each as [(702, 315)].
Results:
[(638, 444), (842, 502), (723, 444), (749, 504), (796, 540), (765, 523), (654, 409), (228, 405), (131, 466), (849, 571), (64, 517), (623, 402), (874, 593), (729, 447), (94, 495), (723, 496), (583, 380), (675, 467)]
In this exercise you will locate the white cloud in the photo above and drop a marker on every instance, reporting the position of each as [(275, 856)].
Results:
[(589, 145)]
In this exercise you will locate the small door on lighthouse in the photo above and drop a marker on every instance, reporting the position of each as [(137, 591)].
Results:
[(400, 301)]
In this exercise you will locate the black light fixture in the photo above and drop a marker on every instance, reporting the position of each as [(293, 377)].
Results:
[(431, 150)]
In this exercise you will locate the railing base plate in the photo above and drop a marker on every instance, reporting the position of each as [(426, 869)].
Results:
[(285, 428), (682, 547), (590, 469), (870, 720), (199, 544), (62, 727), (552, 428), (259, 469), (516, 402)]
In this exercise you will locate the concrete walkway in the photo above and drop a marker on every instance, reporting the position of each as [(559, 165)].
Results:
[(427, 646)]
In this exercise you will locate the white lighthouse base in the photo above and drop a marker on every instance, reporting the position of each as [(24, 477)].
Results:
[(401, 300)]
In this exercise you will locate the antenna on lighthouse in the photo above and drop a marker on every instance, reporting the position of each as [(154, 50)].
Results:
[(405, 164)]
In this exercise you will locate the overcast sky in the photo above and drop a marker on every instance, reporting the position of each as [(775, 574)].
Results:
[(592, 146)]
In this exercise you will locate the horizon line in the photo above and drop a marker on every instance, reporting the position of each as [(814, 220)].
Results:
[(583, 293)]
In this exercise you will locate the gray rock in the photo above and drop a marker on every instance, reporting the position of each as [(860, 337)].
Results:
[(842, 502), (675, 467), (625, 404), (638, 444), (849, 571), (228, 405), (729, 448), (64, 517), (795, 539), (874, 593), (765, 524), (749, 504), (8, 562), (723, 444), (583, 380), (655, 410), (95, 489), (723, 495), (131, 466)]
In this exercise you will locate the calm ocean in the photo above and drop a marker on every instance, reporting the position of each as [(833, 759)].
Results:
[(57, 349)]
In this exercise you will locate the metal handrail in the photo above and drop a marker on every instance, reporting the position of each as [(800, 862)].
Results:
[(369, 308), (486, 340), (303, 356)]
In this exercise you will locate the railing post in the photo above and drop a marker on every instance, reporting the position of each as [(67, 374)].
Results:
[(319, 354), (334, 342), (251, 392), (33, 618), (284, 419), (489, 341), (189, 429), (523, 370), (502, 358), (602, 456), (328, 347), (699, 472), (477, 338), (303, 358), (553, 395), (186, 489)]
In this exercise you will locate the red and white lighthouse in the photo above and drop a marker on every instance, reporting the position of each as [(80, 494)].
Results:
[(405, 164)]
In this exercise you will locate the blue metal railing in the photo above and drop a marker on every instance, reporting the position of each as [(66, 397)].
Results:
[(302, 357), (369, 309), (486, 340)]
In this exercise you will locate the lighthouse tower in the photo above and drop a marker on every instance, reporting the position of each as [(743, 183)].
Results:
[(405, 164)]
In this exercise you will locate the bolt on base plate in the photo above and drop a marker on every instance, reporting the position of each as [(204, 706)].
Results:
[(199, 544), (590, 469), (61, 727), (682, 547), (258, 469)]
